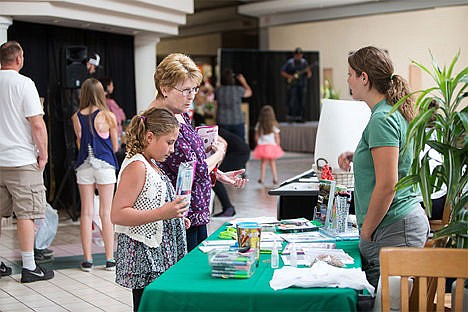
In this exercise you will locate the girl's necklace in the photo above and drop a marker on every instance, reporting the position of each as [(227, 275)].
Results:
[(153, 164), (156, 167)]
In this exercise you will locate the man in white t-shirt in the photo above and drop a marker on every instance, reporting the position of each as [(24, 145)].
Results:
[(23, 155)]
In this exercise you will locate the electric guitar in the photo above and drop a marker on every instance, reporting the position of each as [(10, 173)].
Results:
[(296, 76)]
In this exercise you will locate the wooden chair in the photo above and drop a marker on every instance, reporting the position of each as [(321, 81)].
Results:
[(423, 263), (438, 224)]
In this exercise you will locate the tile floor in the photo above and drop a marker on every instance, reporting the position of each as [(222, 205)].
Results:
[(74, 290)]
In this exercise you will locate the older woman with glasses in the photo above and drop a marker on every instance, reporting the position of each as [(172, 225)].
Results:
[(177, 80)]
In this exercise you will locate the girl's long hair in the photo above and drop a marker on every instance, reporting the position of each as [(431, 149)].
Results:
[(92, 93), (267, 120), (379, 68)]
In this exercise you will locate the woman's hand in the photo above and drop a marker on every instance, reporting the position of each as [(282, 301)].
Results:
[(219, 148), (232, 177), (187, 223), (219, 145), (344, 160), (174, 209), (366, 237)]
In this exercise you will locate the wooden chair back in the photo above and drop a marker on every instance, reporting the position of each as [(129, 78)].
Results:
[(423, 264), (437, 224)]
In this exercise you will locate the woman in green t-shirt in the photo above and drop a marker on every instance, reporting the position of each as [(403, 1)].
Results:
[(385, 217)]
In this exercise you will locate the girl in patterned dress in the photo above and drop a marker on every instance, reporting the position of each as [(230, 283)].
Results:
[(149, 219)]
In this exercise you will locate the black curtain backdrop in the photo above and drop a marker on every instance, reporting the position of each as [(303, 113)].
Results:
[(44, 63), (262, 72)]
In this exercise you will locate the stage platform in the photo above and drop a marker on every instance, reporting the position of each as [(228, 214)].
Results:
[(298, 137)]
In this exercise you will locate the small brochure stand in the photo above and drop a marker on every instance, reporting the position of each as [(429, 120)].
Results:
[(338, 200), (324, 207)]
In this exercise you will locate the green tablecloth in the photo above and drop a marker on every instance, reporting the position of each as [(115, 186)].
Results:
[(188, 286)]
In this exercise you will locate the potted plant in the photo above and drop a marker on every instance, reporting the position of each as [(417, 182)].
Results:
[(442, 124)]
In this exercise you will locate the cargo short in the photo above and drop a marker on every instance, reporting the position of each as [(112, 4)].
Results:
[(22, 191)]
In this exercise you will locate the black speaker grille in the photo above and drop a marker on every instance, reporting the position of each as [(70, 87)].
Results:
[(74, 72)]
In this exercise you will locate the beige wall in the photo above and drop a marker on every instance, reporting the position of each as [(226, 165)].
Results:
[(196, 45), (407, 36)]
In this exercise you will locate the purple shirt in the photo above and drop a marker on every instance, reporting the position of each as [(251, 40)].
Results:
[(189, 146)]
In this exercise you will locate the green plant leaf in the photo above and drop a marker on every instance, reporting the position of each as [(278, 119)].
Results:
[(463, 116), (425, 184), (424, 68), (462, 77), (407, 181), (458, 206), (452, 65), (454, 228), (418, 125), (445, 130)]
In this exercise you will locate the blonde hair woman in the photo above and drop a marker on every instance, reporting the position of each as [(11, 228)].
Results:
[(177, 80)]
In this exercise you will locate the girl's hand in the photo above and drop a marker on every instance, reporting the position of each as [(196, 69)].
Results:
[(232, 177), (344, 160), (174, 209), (187, 223)]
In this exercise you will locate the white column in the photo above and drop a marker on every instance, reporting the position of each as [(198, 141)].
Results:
[(145, 66), (5, 22)]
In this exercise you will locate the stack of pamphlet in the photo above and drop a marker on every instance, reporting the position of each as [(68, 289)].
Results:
[(232, 264), (296, 225)]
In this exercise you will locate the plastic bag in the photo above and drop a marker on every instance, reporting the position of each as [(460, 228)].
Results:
[(45, 229), (320, 274), (96, 218)]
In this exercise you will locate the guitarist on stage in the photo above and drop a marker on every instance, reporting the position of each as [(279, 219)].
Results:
[(296, 71)]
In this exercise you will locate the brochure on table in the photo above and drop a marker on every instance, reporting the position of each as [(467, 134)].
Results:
[(296, 225)]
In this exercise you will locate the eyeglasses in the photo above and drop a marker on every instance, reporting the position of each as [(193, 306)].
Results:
[(186, 92)]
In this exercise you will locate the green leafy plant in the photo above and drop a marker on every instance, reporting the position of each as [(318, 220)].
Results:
[(442, 124), (328, 92)]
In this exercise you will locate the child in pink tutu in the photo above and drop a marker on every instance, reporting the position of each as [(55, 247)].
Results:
[(267, 137)]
